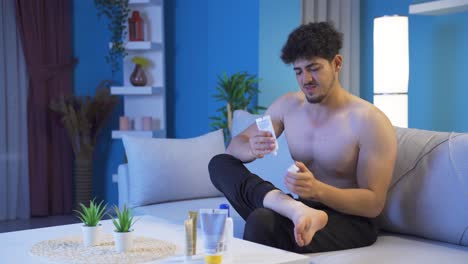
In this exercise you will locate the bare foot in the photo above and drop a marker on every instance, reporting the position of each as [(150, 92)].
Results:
[(307, 221)]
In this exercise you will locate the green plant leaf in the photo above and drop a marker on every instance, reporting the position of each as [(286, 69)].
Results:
[(238, 90), (123, 220), (116, 12), (215, 118), (90, 216)]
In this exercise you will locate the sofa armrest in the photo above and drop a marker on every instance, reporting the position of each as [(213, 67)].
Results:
[(123, 181)]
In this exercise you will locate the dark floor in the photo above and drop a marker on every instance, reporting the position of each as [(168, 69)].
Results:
[(37, 222)]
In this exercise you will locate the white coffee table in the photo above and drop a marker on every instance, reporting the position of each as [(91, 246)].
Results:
[(14, 246)]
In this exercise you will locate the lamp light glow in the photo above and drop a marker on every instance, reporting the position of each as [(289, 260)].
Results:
[(391, 67)]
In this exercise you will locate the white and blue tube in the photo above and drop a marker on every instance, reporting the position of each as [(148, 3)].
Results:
[(213, 223)]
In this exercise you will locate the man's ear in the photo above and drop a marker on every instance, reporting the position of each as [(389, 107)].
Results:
[(338, 62)]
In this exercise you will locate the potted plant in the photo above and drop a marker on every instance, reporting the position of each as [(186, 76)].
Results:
[(237, 92), (116, 11), (90, 216), (123, 233), (138, 76)]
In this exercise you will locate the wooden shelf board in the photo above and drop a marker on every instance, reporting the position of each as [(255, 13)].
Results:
[(441, 7), (132, 90), (116, 134), (136, 2), (141, 45)]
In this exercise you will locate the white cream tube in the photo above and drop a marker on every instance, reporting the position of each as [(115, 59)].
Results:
[(264, 124)]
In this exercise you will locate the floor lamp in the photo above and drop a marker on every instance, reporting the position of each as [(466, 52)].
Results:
[(391, 67)]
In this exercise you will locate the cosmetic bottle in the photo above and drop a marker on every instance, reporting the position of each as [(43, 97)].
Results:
[(228, 235)]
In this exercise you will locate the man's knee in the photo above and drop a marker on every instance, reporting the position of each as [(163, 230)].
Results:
[(218, 164), (260, 226)]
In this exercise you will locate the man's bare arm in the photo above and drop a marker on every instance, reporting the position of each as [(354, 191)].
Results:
[(240, 145), (252, 143)]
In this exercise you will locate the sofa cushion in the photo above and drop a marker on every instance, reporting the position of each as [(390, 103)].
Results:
[(428, 195), (271, 168), (164, 169)]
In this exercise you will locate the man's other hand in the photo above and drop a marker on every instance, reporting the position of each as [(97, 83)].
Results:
[(302, 182)]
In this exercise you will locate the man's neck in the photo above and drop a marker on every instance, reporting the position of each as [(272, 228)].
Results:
[(336, 99)]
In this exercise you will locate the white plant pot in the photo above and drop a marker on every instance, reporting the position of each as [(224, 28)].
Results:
[(123, 241), (91, 235)]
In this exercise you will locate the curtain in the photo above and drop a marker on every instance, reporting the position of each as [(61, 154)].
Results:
[(345, 16), (45, 27), (14, 183)]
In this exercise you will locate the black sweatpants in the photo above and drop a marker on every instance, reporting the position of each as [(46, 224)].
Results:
[(246, 191)]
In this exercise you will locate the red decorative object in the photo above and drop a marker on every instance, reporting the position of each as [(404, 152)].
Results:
[(135, 27)]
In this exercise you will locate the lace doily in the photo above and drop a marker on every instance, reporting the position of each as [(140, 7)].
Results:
[(72, 250)]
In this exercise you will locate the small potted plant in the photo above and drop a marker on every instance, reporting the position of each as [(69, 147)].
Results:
[(123, 233), (90, 216), (138, 76)]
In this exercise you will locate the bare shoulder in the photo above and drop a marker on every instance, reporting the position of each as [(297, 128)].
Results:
[(285, 103), (280, 108), (370, 124)]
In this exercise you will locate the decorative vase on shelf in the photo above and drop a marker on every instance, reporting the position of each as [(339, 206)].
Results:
[(135, 27), (138, 77)]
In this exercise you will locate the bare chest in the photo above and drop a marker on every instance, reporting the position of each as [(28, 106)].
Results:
[(330, 151)]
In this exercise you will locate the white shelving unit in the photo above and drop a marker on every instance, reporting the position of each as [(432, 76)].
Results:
[(135, 133), (141, 45), (148, 100), (441, 7), (135, 2), (143, 90)]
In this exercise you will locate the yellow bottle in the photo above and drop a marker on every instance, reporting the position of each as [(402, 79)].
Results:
[(213, 259)]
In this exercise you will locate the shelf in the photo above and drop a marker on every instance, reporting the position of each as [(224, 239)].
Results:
[(144, 101), (133, 90), (136, 2), (138, 133), (141, 45), (441, 7)]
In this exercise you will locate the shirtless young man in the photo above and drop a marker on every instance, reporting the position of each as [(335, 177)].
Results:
[(344, 147)]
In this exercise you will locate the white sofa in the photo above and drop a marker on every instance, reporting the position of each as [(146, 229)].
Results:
[(425, 219)]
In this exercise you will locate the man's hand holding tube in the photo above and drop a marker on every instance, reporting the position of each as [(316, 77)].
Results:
[(261, 144), (302, 182)]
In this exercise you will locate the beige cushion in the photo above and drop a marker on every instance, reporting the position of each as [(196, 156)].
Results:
[(428, 196), (163, 169)]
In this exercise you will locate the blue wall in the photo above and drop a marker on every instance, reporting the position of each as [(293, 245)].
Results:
[(437, 89), (276, 77), (211, 37), (90, 41), (203, 39)]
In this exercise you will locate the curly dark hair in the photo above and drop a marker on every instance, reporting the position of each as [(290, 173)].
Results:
[(319, 39)]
